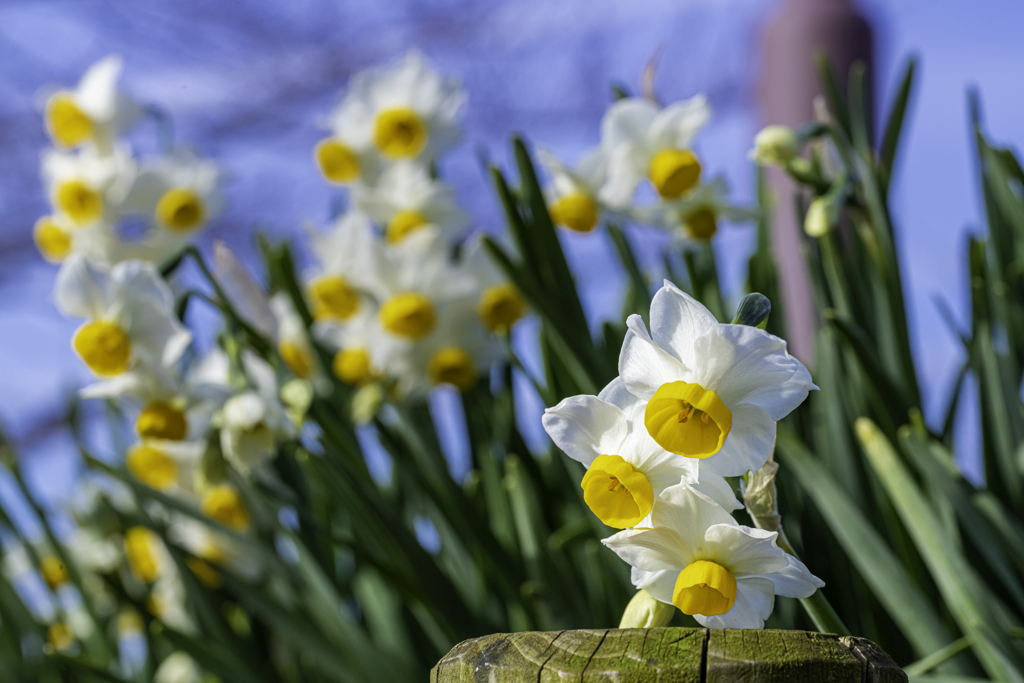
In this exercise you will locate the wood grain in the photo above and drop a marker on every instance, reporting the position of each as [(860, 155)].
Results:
[(666, 655)]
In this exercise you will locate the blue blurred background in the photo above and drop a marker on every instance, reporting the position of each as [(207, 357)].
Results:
[(248, 83)]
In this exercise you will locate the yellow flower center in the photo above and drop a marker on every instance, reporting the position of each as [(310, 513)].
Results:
[(575, 211), (153, 467), (500, 307), (399, 133), (104, 347), (409, 314), (67, 123), (687, 419), (129, 621), (404, 223), (337, 161), (82, 204), (452, 365), (180, 209), (223, 504), (617, 492), (140, 550), (52, 241), (705, 588), (702, 224), (674, 172), (53, 571), (160, 420), (333, 297), (60, 636), (353, 366), (298, 357)]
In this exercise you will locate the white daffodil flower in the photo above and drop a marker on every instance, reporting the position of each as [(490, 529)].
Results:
[(500, 305), (57, 237), (414, 282), (406, 198), (573, 198), (294, 345), (358, 360), (91, 551), (405, 109), (712, 391), (254, 420), (96, 111), (166, 406), (179, 194), (348, 259), (459, 351), (626, 469), (129, 312), (88, 187), (699, 559), (178, 667), (166, 465), (694, 218), (643, 140)]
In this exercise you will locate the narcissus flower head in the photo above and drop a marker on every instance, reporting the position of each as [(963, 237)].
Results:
[(129, 312), (711, 391), (696, 557), (95, 112), (573, 195), (404, 110), (406, 199), (642, 140), (626, 468), (696, 216)]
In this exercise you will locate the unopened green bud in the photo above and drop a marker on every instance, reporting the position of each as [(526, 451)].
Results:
[(643, 611), (753, 311), (297, 396), (775, 146), (816, 223)]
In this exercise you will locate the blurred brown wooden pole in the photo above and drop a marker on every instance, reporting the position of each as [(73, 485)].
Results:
[(788, 84)]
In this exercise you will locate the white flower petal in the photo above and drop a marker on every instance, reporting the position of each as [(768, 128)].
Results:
[(661, 585), (83, 290), (676, 124), (678, 321), (745, 551), (755, 598), (651, 550), (794, 580), (749, 442), (585, 427), (643, 365), (715, 487), (689, 512)]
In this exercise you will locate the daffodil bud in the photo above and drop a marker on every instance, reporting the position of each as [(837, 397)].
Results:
[(816, 223), (643, 611), (761, 498), (753, 311), (366, 402), (775, 146), (297, 396)]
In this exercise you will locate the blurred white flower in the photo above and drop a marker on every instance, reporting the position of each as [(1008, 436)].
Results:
[(501, 305), (129, 312), (573, 198), (406, 198), (293, 343), (643, 140), (57, 237), (253, 420), (694, 217), (357, 342), (699, 559), (178, 667), (405, 110), (348, 260), (88, 187), (96, 111), (712, 391)]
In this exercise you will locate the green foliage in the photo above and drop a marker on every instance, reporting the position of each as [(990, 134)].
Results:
[(915, 557)]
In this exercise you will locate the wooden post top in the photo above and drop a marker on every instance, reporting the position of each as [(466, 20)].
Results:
[(667, 655)]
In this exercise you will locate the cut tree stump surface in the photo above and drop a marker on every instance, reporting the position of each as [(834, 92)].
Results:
[(667, 655)]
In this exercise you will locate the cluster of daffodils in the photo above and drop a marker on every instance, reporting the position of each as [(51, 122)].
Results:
[(695, 402), (644, 170), (101, 193), (116, 219), (397, 292)]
